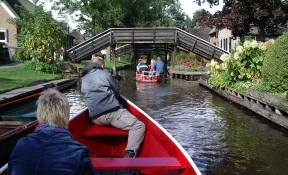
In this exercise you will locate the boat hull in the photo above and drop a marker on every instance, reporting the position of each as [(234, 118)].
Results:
[(149, 77)]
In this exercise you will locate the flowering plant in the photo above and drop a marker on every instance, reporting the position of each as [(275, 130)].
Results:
[(246, 61), (243, 63)]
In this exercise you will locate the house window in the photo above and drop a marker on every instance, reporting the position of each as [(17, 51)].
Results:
[(230, 44), (3, 35), (250, 38)]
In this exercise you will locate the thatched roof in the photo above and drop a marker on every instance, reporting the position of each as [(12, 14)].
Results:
[(201, 32), (25, 3), (78, 37)]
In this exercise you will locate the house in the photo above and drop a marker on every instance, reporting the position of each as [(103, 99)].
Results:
[(7, 11), (8, 31), (78, 37), (222, 37), (201, 32), (68, 43)]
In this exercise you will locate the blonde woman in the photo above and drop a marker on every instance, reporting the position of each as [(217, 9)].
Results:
[(152, 65), (51, 148)]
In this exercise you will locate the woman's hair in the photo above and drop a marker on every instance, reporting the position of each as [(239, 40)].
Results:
[(98, 60), (153, 61), (53, 108), (143, 60)]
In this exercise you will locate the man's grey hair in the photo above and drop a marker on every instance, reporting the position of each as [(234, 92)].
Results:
[(98, 60)]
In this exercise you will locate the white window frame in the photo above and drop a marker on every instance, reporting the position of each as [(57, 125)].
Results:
[(5, 34)]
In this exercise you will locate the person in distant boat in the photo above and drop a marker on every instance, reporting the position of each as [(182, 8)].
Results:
[(100, 90), (139, 61), (142, 66), (152, 65), (159, 66), (51, 148), (104, 53)]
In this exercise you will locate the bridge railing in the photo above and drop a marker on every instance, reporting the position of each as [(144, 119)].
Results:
[(143, 35), (154, 36)]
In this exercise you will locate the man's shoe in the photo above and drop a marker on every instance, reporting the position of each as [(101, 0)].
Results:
[(129, 154)]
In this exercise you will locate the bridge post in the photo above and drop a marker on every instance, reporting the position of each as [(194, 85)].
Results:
[(114, 58)]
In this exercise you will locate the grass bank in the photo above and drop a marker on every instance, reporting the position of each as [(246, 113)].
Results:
[(19, 76)]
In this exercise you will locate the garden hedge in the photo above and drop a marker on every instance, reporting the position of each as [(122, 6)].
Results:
[(275, 65)]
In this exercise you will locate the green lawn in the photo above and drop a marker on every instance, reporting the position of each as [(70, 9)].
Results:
[(19, 76)]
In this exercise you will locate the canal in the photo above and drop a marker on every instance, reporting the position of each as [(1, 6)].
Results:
[(221, 137)]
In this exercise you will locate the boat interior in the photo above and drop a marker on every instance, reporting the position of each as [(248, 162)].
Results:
[(158, 153)]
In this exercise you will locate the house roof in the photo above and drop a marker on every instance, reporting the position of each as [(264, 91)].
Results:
[(11, 6), (214, 30), (276, 31), (201, 32), (78, 36)]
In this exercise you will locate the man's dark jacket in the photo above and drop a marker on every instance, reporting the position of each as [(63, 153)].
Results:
[(100, 90)]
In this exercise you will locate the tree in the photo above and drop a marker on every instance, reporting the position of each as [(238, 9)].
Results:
[(41, 36), (211, 2), (196, 15), (240, 16), (96, 16)]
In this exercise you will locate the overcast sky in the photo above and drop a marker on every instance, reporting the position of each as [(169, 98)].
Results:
[(187, 5), (190, 7)]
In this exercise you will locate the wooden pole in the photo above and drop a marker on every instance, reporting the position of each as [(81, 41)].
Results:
[(114, 59)]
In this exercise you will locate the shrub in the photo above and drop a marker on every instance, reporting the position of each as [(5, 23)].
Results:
[(275, 65), (44, 67), (222, 80), (19, 55)]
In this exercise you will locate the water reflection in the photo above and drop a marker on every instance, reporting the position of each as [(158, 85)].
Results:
[(221, 138)]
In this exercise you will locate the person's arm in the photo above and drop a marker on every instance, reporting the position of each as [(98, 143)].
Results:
[(86, 167), (114, 84), (154, 66)]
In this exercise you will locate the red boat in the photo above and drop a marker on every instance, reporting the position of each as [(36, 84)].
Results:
[(159, 154), (149, 77)]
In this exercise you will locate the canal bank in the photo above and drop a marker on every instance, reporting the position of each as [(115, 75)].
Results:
[(268, 106), (15, 94)]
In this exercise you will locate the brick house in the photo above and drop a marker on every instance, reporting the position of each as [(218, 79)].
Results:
[(222, 37), (8, 31), (7, 11)]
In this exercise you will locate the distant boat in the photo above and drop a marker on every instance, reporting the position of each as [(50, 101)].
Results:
[(149, 76), (159, 153)]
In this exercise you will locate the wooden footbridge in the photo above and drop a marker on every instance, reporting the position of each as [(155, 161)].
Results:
[(123, 41)]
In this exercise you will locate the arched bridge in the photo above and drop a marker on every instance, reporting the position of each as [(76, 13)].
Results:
[(142, 40)]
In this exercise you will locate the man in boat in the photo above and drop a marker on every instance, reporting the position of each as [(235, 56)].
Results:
[(159, 66), (50, 149), (100, 90), (142, 66)]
